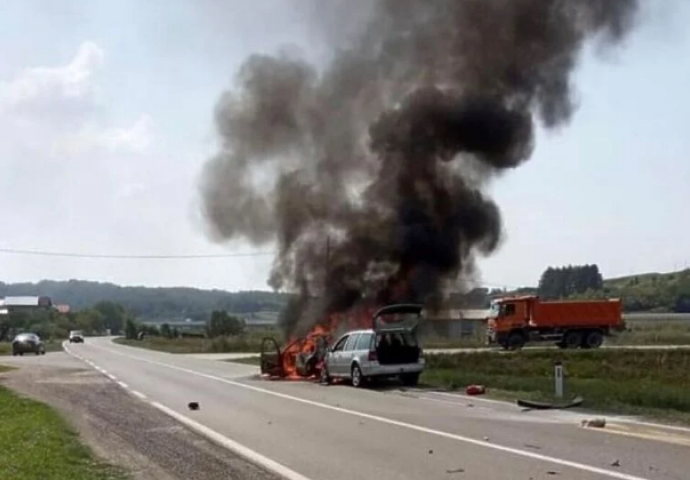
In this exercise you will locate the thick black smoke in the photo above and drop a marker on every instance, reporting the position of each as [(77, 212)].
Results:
[(370, 174)]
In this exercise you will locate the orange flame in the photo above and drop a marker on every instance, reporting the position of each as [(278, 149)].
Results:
[(301, 359)]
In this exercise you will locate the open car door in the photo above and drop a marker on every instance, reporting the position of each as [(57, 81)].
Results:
[(399, 317), (270, 360)]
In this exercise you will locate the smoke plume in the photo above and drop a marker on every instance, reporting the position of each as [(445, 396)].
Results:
[(370, 173)]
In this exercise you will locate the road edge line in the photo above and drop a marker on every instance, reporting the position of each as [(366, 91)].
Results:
[(229, 444), (460, 438), (252, 456)]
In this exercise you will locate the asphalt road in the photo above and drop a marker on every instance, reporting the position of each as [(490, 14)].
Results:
[(307, 431)]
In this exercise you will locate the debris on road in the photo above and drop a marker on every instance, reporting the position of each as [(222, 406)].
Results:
[(475, 390), (616, 463), (594, 423), (193, 405), (457, 470), (486, 439), (431, 452), (534, 405), (552, 472)]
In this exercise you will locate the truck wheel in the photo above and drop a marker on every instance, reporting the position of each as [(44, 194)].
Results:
[(572, 339), (516, 341), (594, 339)]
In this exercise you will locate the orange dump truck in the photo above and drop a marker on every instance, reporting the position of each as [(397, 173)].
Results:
[(514, 321)]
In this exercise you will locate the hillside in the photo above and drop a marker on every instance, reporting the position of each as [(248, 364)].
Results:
[(652, 291), (148, 303)]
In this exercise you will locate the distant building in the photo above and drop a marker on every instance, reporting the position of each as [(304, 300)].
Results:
[(455, 322), (13, 304), (63, 308)]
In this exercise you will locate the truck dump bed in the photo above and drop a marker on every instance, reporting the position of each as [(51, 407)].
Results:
[(586, 313)]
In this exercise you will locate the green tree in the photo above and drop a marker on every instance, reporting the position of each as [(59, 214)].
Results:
[(564, 282), (221, 324), (130, 329), (114, 315), (166, 331)]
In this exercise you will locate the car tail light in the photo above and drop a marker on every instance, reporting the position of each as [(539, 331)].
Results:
[(372, 357)]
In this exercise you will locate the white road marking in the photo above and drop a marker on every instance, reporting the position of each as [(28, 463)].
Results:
[(231, 445), (225, 442), (138, 394), (389, 421)]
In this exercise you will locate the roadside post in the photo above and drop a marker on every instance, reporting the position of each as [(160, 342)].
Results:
[(558, 377)]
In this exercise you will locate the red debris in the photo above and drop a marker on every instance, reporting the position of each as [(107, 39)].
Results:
[(475, 390)]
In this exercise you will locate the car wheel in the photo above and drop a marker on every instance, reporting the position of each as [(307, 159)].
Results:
[(357, 377)]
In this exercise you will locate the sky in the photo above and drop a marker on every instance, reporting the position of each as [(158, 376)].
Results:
[(106, 119)]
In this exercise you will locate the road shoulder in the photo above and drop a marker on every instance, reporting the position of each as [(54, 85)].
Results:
[(122, 429)]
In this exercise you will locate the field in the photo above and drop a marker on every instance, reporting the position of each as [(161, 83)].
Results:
[(249, 342), (623, 381), (36, 443), (6, 347)]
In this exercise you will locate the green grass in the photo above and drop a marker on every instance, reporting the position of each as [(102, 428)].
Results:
[(6, 348), (653, 332), (477, 340), (36, 443), (249, 343), (655, 383)]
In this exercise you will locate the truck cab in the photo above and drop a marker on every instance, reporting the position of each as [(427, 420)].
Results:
[(508, 315)]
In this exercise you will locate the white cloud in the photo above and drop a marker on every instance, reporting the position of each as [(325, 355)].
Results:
[(38, 86), (67, 160), (136, 138)]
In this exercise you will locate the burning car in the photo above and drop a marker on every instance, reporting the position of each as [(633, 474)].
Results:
[(388, 348)]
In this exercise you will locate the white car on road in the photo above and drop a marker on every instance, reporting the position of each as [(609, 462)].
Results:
[(389, 349)]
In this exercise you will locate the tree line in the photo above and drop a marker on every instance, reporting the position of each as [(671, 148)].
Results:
[(51, 324), (566, 282), (669, 292), (151, 304), (219, 324)]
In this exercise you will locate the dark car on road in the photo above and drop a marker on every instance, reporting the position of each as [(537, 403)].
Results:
[(27, 343)]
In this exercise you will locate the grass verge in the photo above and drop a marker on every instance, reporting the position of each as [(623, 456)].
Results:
[(248, 343), (652, 383), (36, 443)]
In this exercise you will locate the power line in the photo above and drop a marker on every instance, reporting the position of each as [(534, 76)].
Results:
[(44, 253)]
